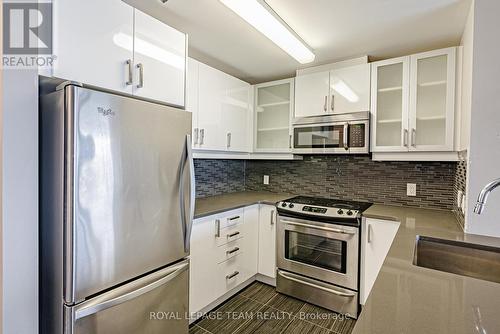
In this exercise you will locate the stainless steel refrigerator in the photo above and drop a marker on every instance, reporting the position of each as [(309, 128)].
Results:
[(116, 210)]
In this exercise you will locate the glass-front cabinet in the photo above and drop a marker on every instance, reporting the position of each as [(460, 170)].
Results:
[(273, 112), (413, 103)]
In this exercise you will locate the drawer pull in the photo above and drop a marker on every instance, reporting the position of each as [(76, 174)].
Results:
[(233, 275), (234, 250), (233, 234), (234, 218), (217, 228)]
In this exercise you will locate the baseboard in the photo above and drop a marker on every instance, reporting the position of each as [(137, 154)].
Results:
[(266, 279)]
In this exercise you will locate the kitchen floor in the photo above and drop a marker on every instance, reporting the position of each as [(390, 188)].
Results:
[(260, 309)]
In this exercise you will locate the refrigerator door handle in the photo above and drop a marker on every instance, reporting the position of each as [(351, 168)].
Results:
[(187, 223), (124, 294)]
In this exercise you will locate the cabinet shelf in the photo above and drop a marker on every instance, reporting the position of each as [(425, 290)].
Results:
[(260, 107), (432, 83), (273, 129), (390, 89), (431, 118), (388, 121)]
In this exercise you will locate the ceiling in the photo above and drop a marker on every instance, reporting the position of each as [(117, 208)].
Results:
[(334, 29)]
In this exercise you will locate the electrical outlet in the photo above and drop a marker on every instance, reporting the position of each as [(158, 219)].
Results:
[(411, 189), (266, 179)]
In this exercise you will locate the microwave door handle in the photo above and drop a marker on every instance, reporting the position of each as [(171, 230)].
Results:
[(346, 142)]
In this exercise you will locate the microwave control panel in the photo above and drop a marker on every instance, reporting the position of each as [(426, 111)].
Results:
[(357, 135)]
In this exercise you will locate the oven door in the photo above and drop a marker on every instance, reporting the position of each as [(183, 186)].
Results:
[(321, 138), (323, 251)]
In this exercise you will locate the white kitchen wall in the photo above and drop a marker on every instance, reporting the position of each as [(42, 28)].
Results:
[(20, 202), (484, 153)]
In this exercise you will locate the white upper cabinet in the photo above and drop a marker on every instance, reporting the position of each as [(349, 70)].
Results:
[(413, 103), (93, 40), (350, 89), (390, 98), (341, 90), (432, 100), (312, 94), (160, 60), (273, 113), (222, 121), (97, 43)]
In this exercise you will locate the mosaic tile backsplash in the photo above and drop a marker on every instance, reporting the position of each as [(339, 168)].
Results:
[(460, 185), (345, 177)]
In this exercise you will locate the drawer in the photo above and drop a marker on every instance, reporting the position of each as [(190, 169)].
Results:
[(232, 218), (231, 272), (230, 250), (228, 234)]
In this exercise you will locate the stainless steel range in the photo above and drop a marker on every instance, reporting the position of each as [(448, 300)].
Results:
[(318, 251)]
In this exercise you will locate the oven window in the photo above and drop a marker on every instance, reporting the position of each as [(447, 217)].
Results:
[(316, 251), (319, 137)]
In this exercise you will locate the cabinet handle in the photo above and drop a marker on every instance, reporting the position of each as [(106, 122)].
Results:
[(233, 234), (202, 136), (234, 218), (217, 228), (272, 217), (130, 74), (233, 275), (369, 233), (405, 138), (196, 135), (413, 137), (232, 251), (290, 142), (228, 139), (326, 102), (141, 75), (345, 134), (332, 105)]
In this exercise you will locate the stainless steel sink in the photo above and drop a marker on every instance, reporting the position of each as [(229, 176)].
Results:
[(461, 258)]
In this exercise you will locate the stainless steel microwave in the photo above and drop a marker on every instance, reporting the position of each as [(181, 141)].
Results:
[(340, 134)]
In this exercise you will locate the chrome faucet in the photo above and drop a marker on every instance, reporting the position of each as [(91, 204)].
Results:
[(483, 195)]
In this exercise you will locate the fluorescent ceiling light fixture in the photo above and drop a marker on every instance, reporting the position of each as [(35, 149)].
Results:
[(343, 89), (258, 14), (148, 49)]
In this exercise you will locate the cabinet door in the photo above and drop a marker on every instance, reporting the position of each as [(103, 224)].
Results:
[(160, 60), (376, 240), (350, 89), (93, 40), (273, 112), (432, 100), (389, 105), (236, 114), (203, 264), (212, 91), (311, 94), (192, 97), (267, 241)]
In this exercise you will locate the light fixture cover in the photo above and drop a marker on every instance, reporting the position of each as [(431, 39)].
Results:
[(266, 21)]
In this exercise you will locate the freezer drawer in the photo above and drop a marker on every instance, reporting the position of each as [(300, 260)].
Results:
[(157, 303)]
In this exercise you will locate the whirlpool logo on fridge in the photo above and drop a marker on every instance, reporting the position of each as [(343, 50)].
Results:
[(105, 111), (27, 34)]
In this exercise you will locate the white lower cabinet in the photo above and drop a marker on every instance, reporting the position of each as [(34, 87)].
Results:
[(223, 254), (267, 241), (376, 240)]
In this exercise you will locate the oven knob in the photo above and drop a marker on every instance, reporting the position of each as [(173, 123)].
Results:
[(290, 205), (283, 204), (349, 213), (340, 211)]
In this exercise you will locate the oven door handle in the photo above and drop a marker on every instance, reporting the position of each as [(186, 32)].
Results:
[(329, 229), (335, 292)]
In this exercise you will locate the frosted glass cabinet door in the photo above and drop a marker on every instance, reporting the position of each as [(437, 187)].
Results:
[(93, 39), (432, 100), (390, 92), (273, 110), (160, 60)]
